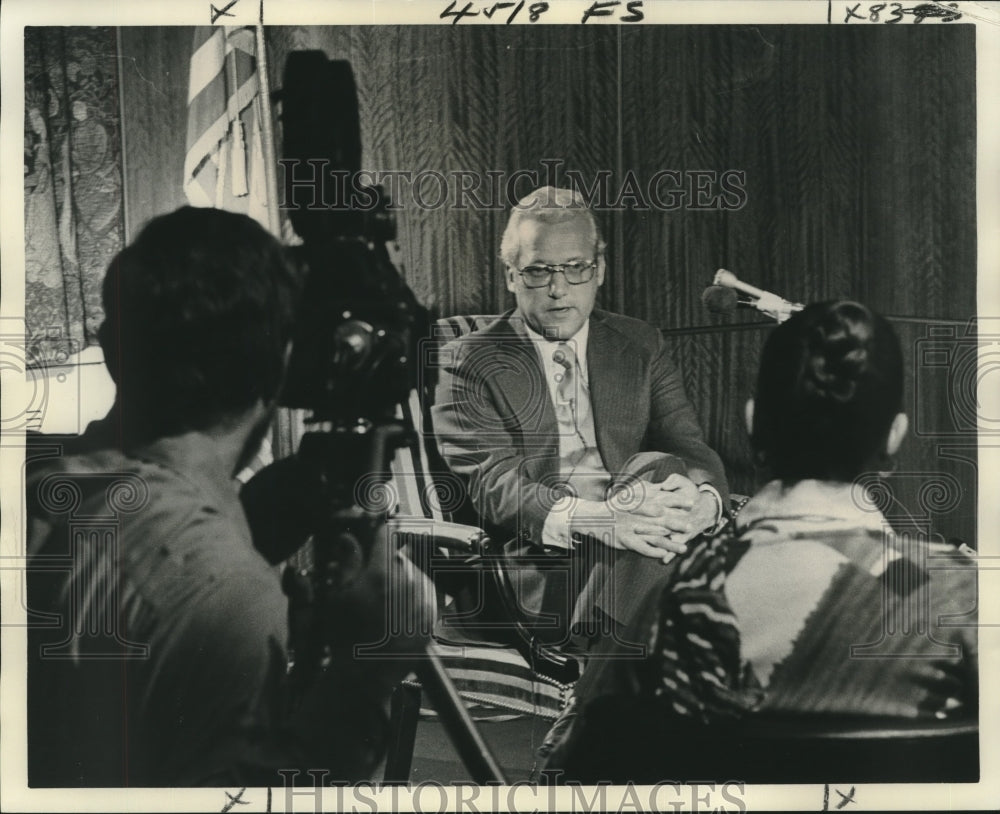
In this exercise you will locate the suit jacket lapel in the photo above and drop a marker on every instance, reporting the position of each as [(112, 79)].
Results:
[(615, 377), (520, 383)]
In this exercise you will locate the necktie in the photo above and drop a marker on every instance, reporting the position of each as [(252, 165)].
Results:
[(567, 391), (580, 462), (566, 380)]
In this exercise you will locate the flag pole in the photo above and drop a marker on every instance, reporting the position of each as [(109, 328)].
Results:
[(287, 427), (267, 127)]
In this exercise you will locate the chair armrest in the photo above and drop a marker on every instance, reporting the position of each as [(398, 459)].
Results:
[(449, 536), (426, 536)]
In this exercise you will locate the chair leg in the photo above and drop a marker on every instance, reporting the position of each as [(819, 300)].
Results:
[(404, 713)]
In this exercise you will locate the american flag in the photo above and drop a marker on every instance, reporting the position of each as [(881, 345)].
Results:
[(225, 165), (227, 156)]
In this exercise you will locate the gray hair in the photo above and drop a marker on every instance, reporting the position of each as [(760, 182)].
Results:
[(546, 205)]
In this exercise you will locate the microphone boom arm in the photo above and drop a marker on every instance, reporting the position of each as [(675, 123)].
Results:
[(778, 308)]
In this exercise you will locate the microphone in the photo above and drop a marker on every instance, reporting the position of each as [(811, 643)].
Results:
[(719, 299), (776, 307)]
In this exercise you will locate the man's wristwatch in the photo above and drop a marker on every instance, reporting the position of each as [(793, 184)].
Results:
[(720, 515)]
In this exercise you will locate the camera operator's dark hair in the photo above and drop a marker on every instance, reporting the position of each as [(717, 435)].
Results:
[(830, 384), (198, 316)]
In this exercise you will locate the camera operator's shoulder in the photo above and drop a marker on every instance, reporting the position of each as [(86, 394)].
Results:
[(213, 538), (630, 330), (240, 615), (186, 540), (61, 481)]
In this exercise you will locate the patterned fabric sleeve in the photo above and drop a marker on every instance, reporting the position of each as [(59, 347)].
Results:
[(694, 661), (691, 674)]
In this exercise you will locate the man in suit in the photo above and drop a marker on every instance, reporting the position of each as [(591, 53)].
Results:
[(544, 411)]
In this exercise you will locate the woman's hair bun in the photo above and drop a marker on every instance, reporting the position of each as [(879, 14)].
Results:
[(838, 352), (830, 383)]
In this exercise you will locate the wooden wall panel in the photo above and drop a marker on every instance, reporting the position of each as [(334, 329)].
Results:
[(154, 77), (858, 146), (470, 99), (855, 185)]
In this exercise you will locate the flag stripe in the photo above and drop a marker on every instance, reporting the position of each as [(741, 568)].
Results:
[(240, 38), (213, 102), (206, 62), (212, 135), (216, 131), (224, 165)]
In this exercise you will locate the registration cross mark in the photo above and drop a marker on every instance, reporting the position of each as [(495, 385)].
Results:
[(223, 12), (238, 799)]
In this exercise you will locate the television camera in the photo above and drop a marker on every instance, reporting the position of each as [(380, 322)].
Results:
[(353, 363)]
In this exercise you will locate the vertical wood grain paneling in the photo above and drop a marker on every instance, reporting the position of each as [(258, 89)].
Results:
[(154, 77), (858, 146)]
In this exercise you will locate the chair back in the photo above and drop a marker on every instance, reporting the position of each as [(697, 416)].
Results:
[(509, 669), (424, 483), (625, 739), (444, 489)]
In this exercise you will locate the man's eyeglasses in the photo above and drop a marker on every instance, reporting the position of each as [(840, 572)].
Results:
[(539, 276)]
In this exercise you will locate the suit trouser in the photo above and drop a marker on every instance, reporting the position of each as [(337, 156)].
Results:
[(590, 594), (592, 591)]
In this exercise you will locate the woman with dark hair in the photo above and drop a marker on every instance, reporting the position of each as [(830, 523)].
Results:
[(829, 396), (837, 613), (808, 604)]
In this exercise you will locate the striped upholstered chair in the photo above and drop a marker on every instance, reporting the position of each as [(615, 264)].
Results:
[(499, 678)]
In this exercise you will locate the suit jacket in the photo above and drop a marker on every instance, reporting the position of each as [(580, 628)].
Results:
[(496, 426)]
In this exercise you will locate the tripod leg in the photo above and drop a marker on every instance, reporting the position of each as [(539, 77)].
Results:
[(469, 743), (403, 717)]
